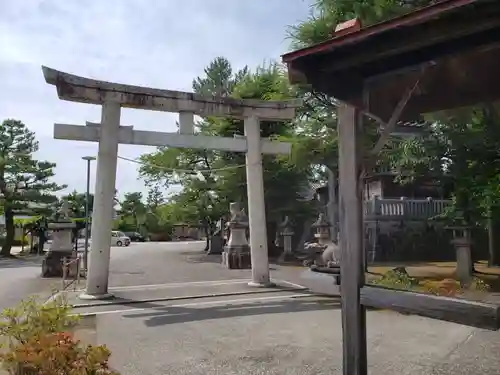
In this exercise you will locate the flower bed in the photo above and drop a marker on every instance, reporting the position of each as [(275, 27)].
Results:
[(38, 339)]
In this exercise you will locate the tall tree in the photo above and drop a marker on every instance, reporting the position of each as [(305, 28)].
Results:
[(459, 152), (327, 14), (25, 185), (133, 206), (212, 179), (219, 79), (77, 203), (155, 198)]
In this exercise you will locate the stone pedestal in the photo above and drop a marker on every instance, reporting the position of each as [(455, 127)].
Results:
[(464, 260), (217, 241), (216, 245), (60, 249), (236, 253), (462, 242)]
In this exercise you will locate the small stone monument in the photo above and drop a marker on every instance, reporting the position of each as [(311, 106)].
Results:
[(236, 253), (287, 233), (62, 246)]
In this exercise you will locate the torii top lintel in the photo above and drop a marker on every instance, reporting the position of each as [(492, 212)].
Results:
[(457, 41), (85, 90)]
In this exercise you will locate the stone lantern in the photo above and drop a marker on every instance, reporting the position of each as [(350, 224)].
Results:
[(322, 227), (287, 233), (236, 253), (330, 256), (62, 247)]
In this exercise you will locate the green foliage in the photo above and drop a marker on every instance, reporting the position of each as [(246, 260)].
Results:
[(212, 179), (33, 319), (480, 285), (36, 339), (397, 279), (326, 14), (460, 153), (77, 201), (25, 185), (132, 213)]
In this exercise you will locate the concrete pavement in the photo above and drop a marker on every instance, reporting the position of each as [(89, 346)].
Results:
[(269, 332), (284, 333)]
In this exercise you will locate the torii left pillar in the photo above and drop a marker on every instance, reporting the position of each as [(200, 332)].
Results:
[(99, 257)]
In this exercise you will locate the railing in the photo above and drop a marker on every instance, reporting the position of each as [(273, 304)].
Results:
[(405, 208), (71, 272)]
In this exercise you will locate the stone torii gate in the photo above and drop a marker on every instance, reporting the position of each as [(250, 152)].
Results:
[(109, 133)]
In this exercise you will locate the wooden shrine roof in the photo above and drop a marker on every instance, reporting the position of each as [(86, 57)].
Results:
[(458, 41)]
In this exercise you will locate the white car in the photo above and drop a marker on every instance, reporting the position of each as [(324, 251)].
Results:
[(119, 239)]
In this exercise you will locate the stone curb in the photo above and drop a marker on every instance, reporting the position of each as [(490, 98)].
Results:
[(196, 296)]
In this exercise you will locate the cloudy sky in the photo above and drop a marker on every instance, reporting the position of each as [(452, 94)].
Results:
[(156, 43)]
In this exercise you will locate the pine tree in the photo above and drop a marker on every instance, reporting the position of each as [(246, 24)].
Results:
[(25, 186)]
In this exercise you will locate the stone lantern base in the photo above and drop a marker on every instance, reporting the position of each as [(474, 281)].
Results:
[(52, 264), (237, 257)]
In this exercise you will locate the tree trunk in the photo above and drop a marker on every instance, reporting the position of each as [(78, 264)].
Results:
[(10, 231)]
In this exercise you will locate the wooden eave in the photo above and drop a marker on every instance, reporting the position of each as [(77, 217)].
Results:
[(456, 40)]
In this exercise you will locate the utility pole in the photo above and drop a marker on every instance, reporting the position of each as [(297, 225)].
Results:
[(88, 159)]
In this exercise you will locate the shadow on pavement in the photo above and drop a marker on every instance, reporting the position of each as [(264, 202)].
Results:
[(16, 262), (174, 315)]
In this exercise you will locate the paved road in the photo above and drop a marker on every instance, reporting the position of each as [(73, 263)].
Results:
[(139, 264), (167, 262), (20, 279)]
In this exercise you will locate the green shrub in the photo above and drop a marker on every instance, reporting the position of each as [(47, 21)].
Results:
[(37, 339), (397, 278), (480, 285)]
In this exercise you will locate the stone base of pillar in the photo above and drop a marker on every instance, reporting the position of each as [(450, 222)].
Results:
[(216, 245), (52, 264), (94, 297), (287, 257), (268, 284), (237, 257)]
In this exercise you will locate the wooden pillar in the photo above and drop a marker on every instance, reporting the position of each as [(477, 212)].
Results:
[(332, 205), (351, 242)]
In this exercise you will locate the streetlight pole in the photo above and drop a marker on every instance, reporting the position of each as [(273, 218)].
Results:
[(88, 159)]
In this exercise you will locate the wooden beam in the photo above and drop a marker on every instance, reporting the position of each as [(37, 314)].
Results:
[(84, 90), (461, 311), (351, 242), (127, 135), (418, 37)]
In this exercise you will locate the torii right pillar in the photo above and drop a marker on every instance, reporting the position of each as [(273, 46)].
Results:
[(256, 204)]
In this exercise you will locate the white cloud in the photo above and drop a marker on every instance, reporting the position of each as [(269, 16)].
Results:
[(157, 43)]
